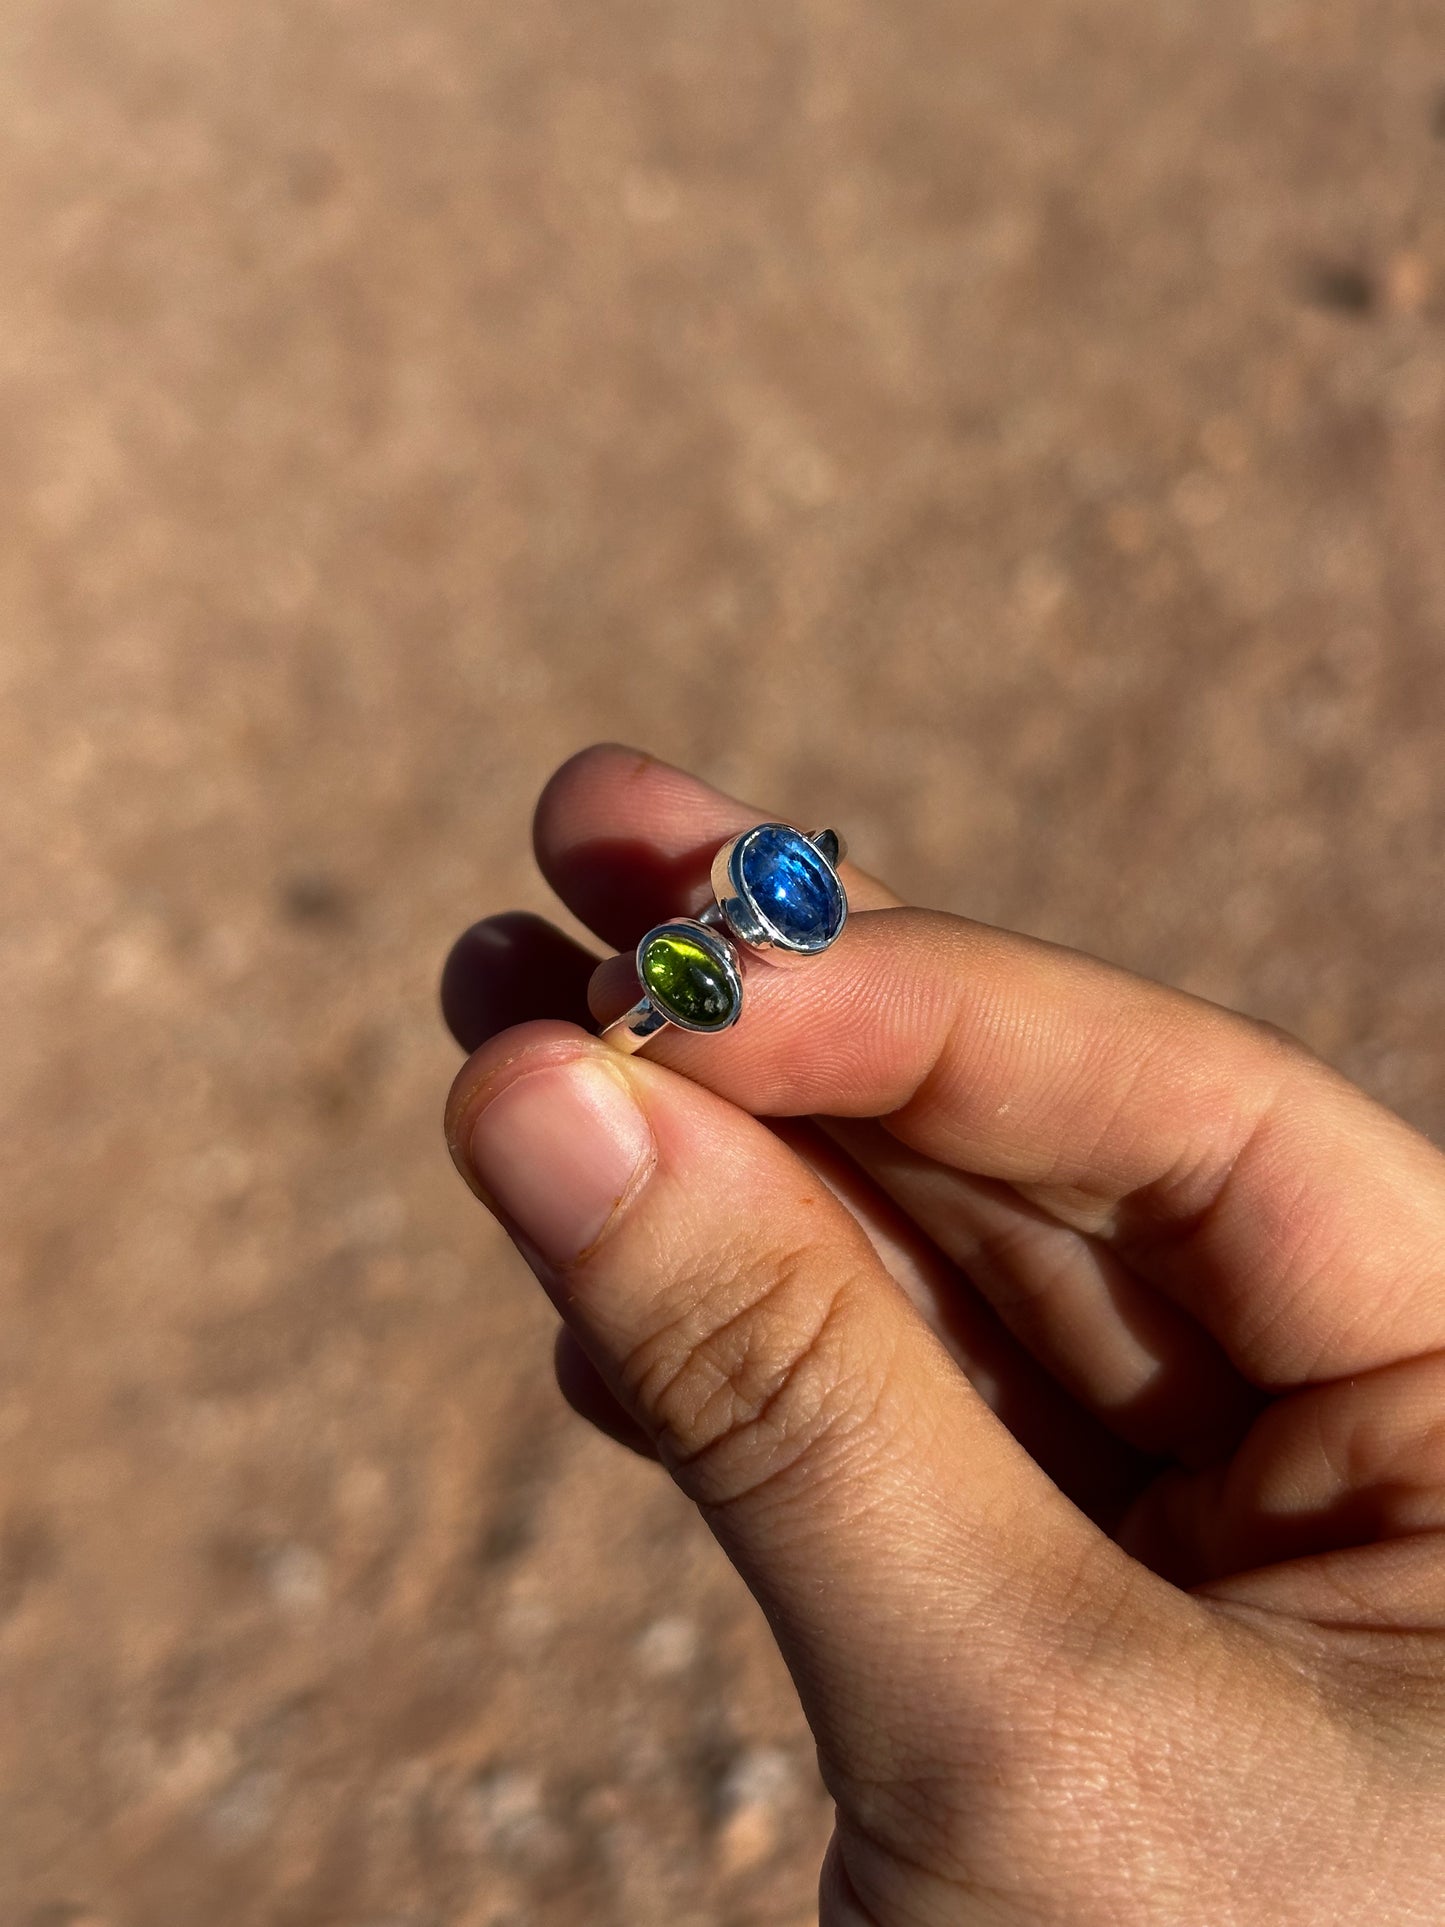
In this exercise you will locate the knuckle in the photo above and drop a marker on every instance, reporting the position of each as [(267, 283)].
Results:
[(1282, 1043), (749, 1381)]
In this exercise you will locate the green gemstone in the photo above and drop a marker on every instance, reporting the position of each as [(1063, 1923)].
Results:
[(689, 983)]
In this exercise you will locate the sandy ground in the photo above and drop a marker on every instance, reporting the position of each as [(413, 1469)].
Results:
[(1016, 434)]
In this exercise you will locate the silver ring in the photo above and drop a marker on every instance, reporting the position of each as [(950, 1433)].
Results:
[(776, 892)]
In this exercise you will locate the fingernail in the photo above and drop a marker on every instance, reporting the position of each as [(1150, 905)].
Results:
[(558, 1150)]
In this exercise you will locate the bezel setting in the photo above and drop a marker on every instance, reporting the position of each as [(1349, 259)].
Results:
[(718, 948), (743, 916)]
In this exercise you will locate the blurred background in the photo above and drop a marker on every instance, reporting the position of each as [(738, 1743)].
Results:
[(1015, 433)]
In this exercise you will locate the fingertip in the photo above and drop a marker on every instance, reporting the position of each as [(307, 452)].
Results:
[(587, 773), (625, 839), (511, 1053)]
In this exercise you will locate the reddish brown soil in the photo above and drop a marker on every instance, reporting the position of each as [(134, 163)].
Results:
[(1016, 433)]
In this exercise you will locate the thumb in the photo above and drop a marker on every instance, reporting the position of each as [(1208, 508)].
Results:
[(901, 1542)]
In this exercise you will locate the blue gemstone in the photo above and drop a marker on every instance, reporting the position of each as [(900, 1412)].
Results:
[(792, 887)]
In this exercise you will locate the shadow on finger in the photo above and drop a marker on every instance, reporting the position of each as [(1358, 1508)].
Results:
[(585, 1390), (622, 887)]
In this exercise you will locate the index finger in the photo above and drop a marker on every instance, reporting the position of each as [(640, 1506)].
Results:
[(626, 840)]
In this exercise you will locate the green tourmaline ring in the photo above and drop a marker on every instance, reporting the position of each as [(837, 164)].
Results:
[(776, 892)]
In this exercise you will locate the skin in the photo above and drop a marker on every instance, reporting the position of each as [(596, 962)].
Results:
[(1059, 1358)]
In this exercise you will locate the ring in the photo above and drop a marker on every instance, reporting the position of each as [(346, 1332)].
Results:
[(776, 892)]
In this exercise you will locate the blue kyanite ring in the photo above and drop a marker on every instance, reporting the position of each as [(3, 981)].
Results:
[(777, 891)]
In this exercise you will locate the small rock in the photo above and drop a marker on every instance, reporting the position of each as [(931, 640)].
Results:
[(666, 1648), (751, 1798), (296, 1577), (759, 1776), (504, 1813)]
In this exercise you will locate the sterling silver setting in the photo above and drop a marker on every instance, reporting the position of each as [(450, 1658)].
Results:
[(690, 967), (647, 1017), (738, 911)]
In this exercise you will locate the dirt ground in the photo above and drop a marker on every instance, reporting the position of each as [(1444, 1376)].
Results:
[(1014, 433)]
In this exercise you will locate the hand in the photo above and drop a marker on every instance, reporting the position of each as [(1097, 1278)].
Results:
[(1067, 1382)]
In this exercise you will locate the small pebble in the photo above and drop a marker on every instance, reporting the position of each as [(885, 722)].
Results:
[(666, 1648), (504, 1813), (751, 1797)]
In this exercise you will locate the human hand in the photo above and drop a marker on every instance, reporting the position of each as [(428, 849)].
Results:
[(1067, 1382)]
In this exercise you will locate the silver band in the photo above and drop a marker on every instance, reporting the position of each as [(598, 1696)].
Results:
[(631, 1031)]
